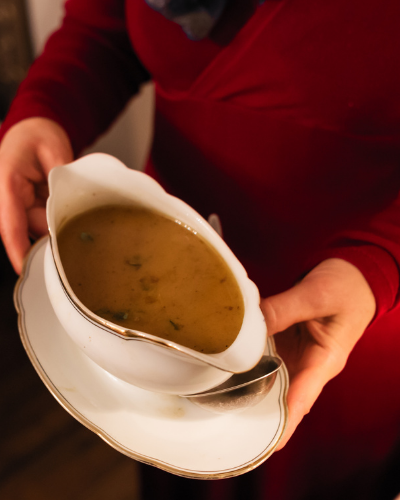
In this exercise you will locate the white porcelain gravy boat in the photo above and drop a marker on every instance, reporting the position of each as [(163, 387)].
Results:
[(136, 357)]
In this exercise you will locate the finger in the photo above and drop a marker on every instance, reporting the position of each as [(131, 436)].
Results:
[(59, 154), (42, 193), (299, 401), (308, 376), (305, 301), (305, 388), (14, 228), (37, 222)]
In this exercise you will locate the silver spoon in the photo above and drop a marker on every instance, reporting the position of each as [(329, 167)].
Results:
[(242, 390)]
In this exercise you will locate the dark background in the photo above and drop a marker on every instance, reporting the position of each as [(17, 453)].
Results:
[(15, 50)]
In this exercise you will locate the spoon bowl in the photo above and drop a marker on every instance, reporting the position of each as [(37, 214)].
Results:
[(242, 390)]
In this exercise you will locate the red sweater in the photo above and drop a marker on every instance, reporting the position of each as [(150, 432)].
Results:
[(291, 133)]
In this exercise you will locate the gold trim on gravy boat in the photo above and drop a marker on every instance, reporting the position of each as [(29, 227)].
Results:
[(126, 333)]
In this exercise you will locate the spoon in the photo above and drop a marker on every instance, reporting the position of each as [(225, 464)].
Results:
[(242, 390)]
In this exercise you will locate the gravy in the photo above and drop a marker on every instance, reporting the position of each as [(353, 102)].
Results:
[(145, 272)]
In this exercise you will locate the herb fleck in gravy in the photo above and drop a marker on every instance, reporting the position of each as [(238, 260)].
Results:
[(145, 272)]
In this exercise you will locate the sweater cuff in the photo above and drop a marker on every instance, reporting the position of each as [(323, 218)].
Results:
[(376, 264), (21, 110)]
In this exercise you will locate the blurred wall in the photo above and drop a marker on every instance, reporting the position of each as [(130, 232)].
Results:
[(130, 136)]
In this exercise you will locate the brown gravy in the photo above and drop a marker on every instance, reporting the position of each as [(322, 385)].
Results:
[(142, 271)]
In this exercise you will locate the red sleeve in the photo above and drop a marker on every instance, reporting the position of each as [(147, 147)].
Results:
[(86, 74), (374, 249)]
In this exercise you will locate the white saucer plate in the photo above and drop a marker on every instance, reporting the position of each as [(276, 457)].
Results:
[(168, 432)]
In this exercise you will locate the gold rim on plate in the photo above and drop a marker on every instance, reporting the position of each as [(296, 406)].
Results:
[(74, 412)]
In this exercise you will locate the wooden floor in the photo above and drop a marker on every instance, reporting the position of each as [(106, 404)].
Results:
[(44, 453)]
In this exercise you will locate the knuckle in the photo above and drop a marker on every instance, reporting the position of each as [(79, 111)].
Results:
[(270, 315)]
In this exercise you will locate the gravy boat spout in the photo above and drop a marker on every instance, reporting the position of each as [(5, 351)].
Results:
[(139, 358)]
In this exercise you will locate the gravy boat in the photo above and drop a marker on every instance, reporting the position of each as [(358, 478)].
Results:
[(141, 359)]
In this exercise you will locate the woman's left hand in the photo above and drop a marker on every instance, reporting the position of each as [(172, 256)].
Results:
[(316, 325)]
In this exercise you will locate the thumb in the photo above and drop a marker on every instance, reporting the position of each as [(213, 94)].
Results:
[(333, 288), (56, 150), (300, 303)]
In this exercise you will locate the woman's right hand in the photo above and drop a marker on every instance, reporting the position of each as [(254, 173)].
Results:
[(28, 151)]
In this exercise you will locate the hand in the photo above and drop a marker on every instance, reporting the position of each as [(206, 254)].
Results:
[(29, 150), (320, 320)]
